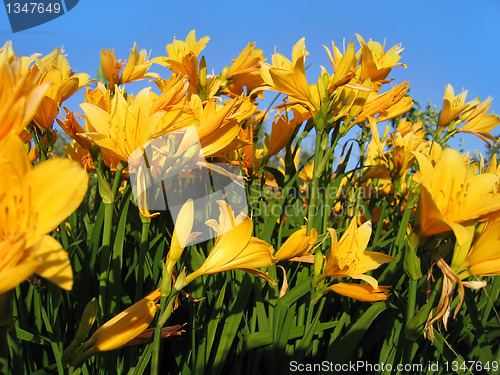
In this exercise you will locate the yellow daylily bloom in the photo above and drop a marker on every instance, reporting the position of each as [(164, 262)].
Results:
[(100, 97), (348, 257), (344, 65), (282, 131), (227, 221), (289, 77), (399, 157), (236, 249), (134, 69), (298, 244), (20, 93), (493, 166), (363, 293), (137, 66), (128, 126), (28, 214), (126, 326), (245, 70), (54, 69), (388, 105), (81, 155), (173, 101), (483, 258), (452, 194), (480, 123), (110, 66), (81, 151), (219, 126), (403, 146), (472, 115), (453, 106), (375, 63), (306, 174), (183, 58), (181, 235)]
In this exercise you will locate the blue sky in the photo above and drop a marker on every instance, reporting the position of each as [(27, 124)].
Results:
[(445, 42)]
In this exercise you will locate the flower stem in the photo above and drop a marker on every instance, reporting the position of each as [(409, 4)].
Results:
[(412, 296), (142, 256), (313, 210), (166, 307)]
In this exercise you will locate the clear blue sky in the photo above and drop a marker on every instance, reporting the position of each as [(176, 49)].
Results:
[(454, 42)]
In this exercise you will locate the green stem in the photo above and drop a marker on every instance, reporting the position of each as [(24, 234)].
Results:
[(105, 256), (313, 210), (142, 257), (118, 177), (33, 130), (166, 307), (412, 296)]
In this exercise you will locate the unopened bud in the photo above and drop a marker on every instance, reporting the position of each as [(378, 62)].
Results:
[(181, 280), (416, 325), (411, 263)]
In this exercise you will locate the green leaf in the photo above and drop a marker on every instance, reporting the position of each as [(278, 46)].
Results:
[(346, 346)]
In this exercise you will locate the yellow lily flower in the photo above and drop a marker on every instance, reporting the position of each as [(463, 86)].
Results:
[(375, 63), (181, 235), (388, 105), (306, 174), (100, 97), (219, 126), (399, 158), (110, 66), (348, 258), (472, 115), (55, 70), (453, 106), (344, 65), (135, 67), (282, 131), (178, 112), (236, 249), (70, 82), (183, 58), (481, 123), (20, 93), (28, 213), (483, 258), (298, 244), (81, 155), (227, 221), (81, 151), (493, 167), (452, 194), (128, 126), (289, 77), (363, 293), (245, 71), (124, 327)]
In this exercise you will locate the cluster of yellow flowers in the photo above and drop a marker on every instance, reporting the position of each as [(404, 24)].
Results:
[(455, 195)]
